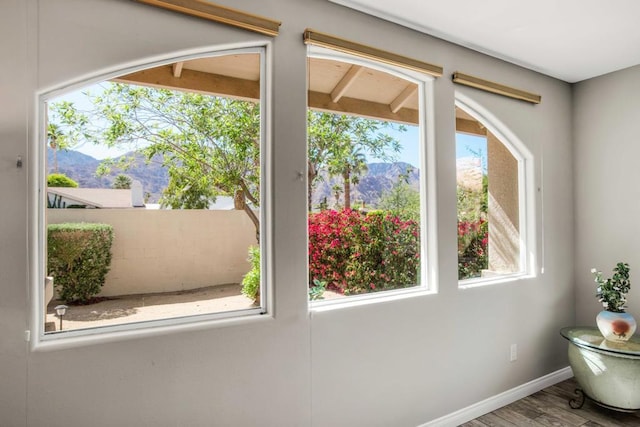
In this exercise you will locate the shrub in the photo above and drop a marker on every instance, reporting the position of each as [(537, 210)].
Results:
[(79, 256), (251, 280), (60, 180), (317, 290), (473, 238), (358, 253)]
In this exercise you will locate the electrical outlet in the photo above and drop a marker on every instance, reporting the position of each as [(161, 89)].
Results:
[(513, 356)]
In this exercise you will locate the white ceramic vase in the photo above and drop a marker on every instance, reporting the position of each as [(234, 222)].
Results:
[(616, 326)]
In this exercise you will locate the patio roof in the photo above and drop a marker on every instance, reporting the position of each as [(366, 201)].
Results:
[(334, 86)]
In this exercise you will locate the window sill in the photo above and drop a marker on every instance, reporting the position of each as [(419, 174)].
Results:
[(496, 280), (116, 333), (373, 298)]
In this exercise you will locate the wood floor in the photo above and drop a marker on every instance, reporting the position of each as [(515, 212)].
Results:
[(550, 407)]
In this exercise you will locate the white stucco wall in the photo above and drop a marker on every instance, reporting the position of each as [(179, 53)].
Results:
[(607, 194), (170, 250), (400, 363)]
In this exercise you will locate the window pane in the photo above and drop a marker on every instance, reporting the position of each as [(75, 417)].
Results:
[(488, 202), (364, 180), (154, 194)]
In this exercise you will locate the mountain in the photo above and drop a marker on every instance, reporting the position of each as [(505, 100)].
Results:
[(82, 168), (77, 166), (378, 179)]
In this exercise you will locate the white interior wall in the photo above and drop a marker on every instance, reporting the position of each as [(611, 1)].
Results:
[(607, 194), (399, 363)]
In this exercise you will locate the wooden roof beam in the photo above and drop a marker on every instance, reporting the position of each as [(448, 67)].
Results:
[(470, 127), (177, 69), (346, 81), (357, 107), (404, 96), (195, 81)]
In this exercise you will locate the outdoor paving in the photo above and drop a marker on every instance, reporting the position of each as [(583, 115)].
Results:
[(144, 307)]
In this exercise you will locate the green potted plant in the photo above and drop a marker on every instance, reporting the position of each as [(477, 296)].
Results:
[(614, 323)]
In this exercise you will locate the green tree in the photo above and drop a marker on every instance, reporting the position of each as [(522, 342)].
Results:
[(402, 200), (210, 145), (122, 182), (340, 144), (60, 136), (60, 180)]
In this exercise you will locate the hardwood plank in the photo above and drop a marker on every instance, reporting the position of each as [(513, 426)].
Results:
[(569, 385), (550, 407), (526, 409), (558, 409), (549, 399), (473, 423), (492, 420), (561, 392), (518, 418), (551, 421)]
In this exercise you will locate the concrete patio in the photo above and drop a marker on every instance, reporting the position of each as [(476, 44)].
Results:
[(152, 306)]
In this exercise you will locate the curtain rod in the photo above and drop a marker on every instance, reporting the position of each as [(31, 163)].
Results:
[(217, 13), (316, 38), (493, 87)]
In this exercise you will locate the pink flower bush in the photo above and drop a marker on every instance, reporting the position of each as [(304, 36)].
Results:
[(355, 253)]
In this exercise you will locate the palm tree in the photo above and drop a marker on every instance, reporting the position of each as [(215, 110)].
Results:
[(334, 139), (56, 139), (349, 162), (122, 182)]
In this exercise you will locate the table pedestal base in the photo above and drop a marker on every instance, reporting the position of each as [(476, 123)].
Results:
[(578, 401)]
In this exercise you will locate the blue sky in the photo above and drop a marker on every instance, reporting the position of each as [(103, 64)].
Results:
[(466, 145)]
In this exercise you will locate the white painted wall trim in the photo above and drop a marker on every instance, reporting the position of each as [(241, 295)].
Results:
[(498, 401)]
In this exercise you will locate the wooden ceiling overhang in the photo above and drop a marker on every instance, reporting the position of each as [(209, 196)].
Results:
[(333, 86)]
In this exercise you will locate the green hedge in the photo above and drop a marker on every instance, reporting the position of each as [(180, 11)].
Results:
[(251, 280), (60, 180), (79, 256)]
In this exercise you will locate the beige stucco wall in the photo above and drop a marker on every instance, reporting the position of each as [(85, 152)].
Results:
[(504, 235), (170, 250)]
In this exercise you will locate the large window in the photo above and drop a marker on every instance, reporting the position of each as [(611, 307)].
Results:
[(153, 196), (494, 198), (367, 178)]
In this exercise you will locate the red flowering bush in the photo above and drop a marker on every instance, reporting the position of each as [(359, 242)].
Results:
[(357, 253), (473, 239)]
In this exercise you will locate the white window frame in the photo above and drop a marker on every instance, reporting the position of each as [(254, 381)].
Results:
[(428, 221), (37, 214), (526, 192)]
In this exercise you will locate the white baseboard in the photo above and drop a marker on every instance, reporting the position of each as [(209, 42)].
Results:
[(500, 400)]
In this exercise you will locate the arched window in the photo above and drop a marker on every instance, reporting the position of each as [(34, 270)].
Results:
[(168, 204), (369, 178), (494, 197)]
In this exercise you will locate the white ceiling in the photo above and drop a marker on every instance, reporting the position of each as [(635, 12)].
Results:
[(571, 40)]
